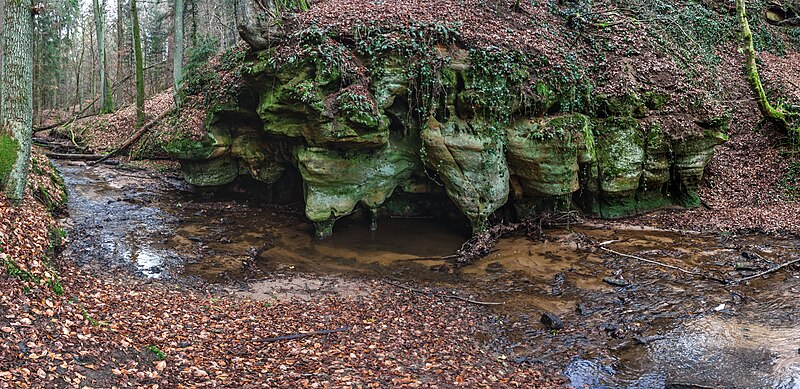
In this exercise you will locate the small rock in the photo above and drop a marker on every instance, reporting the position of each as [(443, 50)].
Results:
[(552, 321), (558, 284), (750, 256), (744, 266), (616, 281), (609, 327), (583, 310), (494, 267), (444, 268), (619, 344)]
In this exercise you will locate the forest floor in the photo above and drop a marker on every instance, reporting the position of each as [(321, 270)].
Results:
[(62, 325)]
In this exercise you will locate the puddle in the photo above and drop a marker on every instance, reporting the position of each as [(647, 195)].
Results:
[(653, 328)]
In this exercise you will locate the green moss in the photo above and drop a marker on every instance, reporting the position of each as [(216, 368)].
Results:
[(544, 153), (214, 172), (8, 156), (336, 181), (630, 104), (620, 153), (14, 270)]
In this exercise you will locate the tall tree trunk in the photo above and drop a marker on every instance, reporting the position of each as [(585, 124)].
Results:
[(16, 119), (137, 48), (120, 48), (2, 35), (106, 98), (177, 56)]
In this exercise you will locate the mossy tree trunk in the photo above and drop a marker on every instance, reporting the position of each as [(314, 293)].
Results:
[(137, 48), (16, 117), (769, 112)]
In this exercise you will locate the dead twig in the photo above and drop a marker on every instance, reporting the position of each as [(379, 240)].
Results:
[(304, 335), (765, 272), (443, 295), (662, 264)]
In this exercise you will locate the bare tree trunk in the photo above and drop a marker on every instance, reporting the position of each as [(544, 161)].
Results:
[(16, 119), (106, 99), (177, 55), (2, 35), (120, 48), (137, 48)]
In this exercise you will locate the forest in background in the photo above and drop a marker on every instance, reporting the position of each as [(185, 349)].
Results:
[(81, 44)]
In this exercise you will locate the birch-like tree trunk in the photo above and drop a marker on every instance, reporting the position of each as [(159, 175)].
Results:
[(137, 48), (177, 56), (2, 34), (17, 115)]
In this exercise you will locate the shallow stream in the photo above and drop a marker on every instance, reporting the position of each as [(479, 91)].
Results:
[(626, 323)]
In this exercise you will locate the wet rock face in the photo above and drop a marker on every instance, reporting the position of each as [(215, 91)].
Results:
[(357, 143)]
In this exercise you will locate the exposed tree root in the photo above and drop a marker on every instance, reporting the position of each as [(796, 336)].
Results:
[(482, 244)]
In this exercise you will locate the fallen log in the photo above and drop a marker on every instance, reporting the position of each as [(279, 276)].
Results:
[(75, 157), (134, 137)]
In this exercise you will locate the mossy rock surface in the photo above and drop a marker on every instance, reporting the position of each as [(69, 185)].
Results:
[(336, 181), (544, 153), (472, 123), (213, 172), (471, 163)]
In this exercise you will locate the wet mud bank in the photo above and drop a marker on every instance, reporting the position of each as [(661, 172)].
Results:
[(611, 320)]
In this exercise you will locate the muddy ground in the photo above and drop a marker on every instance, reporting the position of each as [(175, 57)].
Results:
[(624, 322)]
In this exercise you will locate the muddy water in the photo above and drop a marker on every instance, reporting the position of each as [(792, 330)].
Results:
[(653, 327)]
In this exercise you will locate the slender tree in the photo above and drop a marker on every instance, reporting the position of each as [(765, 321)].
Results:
[(775, 115), (106, 98), (2, 34), (137, 48), (177, 56), (16, 119)]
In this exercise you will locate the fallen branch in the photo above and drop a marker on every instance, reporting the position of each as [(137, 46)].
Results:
[(303, 335), (694, 273), (765, 272), (444, 258), (443, 295), (135, 136), (75, 157)]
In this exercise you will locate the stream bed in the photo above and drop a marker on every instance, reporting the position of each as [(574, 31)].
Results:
[(626, 323)]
